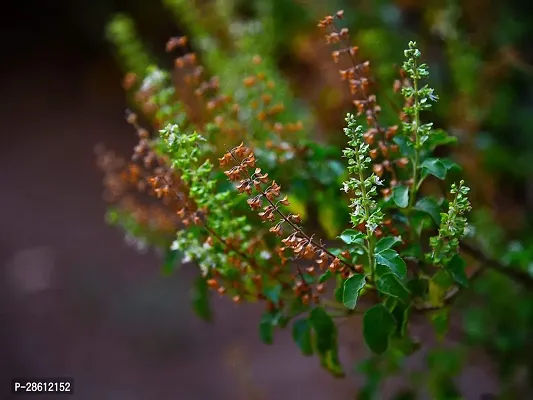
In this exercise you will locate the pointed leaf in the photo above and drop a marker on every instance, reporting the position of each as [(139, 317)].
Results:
[(390, 285), (266, 329), (352, 286), (430, 207), (325, 340), (324, 328), (273, 293), (400, 195), (391, 259), (172, 258), (378, 326), (301, 333), (456, 268), (350, 236), (386, 243), (435, 167), (200, 299)]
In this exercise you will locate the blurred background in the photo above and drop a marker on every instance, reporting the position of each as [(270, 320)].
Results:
[(77, 301)]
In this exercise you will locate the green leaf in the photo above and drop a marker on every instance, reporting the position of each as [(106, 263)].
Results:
[(456, 267), (324, 327), (400, 195), (200, 299), (325, 276), (325, 340), (266, 328), (378, 327), (438, 287), (435, 167), (391, 259), (273, 293), (350, 236), (449, 164), (440, 319), (171, 259), (386, 243), (390, 285), (429, 206), (301, 333), (401, 315), (352, 286), (440, 138)]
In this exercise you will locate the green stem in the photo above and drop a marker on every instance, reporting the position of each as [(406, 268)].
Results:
[(416, 159), (370, 235)]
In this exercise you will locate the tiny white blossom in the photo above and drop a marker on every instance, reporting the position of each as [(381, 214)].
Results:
[(265, 255)]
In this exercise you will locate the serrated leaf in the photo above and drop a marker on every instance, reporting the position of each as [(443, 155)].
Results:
[(435, 167), (400, 195), (350, 236), (456, 267), (386, 243), (391, 259), (429, 206), (378, 327), (200, 299), (301, 333), (390, 285), (352, 286)]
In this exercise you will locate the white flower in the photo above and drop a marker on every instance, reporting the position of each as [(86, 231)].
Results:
[(265, 255), (378, 181)]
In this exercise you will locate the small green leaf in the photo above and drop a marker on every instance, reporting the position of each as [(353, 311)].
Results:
[(456, 268), (200, 299), (325, 276), (386, 243), (338, 294), (301, 333), (400, 195), (390, 285), (172, 257), (435, 167), (391, 259), (350, 236), (352, 286), (401, 315), (438, 287), (429, 206), (273, 293), (378, 327), (440, 138), (266, 328)]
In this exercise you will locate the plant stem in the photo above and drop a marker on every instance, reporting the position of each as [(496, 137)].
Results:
[(370, 239), (416, 159)]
